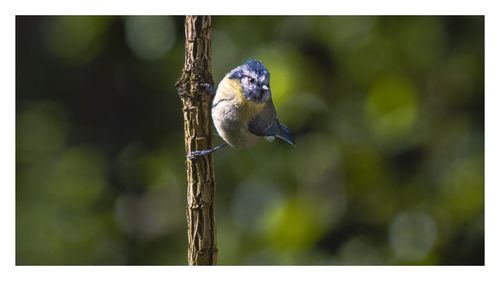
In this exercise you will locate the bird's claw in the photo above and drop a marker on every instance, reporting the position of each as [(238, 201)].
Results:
[(193, 155)]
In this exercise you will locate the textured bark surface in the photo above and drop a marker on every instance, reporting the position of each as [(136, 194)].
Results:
[(196, 104)]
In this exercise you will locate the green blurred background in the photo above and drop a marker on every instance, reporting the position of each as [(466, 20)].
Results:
[(388, 114)]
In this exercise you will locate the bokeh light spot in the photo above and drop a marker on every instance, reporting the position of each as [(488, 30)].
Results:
[(148, 215), (421, 41), (412, 236), (74, 39), (150, 37), (41, 130), (151, 206), (291, 225), (462, 189), (249, 207), (361, 251), (347, 32), (78, 177), (391, 107)]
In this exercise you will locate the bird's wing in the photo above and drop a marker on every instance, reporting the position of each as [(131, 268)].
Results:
[(265, 123)]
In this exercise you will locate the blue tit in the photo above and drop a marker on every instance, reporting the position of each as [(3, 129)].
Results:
[(242, 110)]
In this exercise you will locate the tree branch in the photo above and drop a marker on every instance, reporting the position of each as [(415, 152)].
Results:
[(196, 104)]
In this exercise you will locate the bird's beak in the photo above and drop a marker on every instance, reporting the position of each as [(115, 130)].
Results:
[(265, 88)]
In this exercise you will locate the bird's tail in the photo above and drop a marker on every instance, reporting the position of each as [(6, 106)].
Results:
[(286, 135)]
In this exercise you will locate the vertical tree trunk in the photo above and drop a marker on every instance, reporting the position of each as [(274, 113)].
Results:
[(196, 104)]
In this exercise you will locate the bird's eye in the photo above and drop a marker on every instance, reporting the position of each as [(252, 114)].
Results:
[(251, 80)]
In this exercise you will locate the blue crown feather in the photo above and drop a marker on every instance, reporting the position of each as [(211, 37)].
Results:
[(250, 65), (255, 66)]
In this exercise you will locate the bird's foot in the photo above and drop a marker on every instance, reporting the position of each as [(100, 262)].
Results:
[(193, 155)]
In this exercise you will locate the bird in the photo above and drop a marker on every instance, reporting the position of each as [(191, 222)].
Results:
[(243, 112)]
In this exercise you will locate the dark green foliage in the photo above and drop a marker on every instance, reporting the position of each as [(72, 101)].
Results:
[(387, 113)]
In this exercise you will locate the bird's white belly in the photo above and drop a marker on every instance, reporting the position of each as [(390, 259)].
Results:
[(233, 127)]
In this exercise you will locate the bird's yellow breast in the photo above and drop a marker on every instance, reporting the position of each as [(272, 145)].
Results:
[(230, 89)]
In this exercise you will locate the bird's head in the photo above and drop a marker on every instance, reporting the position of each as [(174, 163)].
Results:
[(254, 80)]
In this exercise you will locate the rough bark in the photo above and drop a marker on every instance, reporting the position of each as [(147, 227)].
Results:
[(196, 104)]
